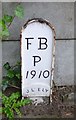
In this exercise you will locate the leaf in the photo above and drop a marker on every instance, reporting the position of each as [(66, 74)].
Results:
[(4, 33), (4, 87), (18, 76), (18, 63), (19, 11), (12, 104), (14, 96), (2, 24), (7, 66), (26, 101), (8, 18), (9, 113), (5, 84), (4, 99), (18, 111), (0, 110), (0, 94), (10, 74)]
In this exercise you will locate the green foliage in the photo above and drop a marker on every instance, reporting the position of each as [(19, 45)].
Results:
[(8, 18), (6, 21), (0, 110), (2, 24), (5, 84), (7, 66), (12, 77), (0, 105), (4, 30), (19, 11), (4, 33), (13, 103)]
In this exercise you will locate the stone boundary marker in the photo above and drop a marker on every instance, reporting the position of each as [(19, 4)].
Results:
[(37, 58)]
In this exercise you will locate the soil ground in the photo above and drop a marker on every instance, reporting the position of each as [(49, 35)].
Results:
[(62, 105)]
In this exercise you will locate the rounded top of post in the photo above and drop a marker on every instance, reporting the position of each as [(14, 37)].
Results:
[(42, 21)]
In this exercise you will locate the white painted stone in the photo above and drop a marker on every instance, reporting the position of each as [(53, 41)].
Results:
[(36, 59), (37, 100)]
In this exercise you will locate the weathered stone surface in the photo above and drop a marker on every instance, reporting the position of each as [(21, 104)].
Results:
[(38, 1), (0, 47), (64, 63), (0, 61), (61, 15)]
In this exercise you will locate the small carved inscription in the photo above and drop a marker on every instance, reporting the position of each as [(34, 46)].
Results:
[(37, 89)]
